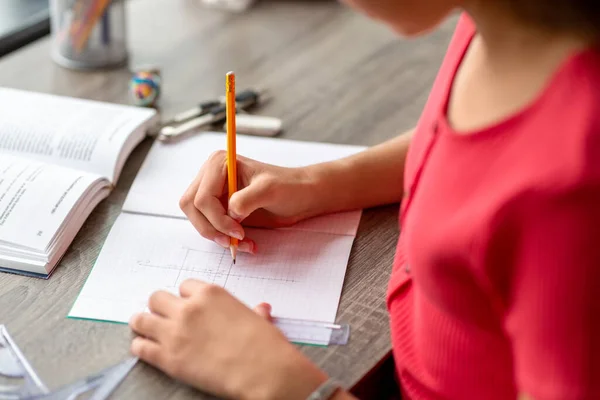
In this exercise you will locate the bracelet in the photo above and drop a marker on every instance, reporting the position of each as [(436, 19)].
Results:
[(325, 390)]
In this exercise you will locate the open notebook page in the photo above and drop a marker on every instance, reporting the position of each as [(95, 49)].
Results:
[(299, 273), (76, 133), (36, 198), (169, 169)]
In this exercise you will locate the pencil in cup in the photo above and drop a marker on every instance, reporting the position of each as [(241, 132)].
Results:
[(231, 149), (95, 11)]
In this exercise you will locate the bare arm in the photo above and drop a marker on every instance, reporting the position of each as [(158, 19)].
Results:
[(367, 179)]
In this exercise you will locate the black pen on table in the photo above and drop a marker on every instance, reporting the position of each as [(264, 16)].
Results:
[(243, 99)]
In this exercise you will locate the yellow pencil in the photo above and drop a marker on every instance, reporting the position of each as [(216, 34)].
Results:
[(95, 11), (231, 151)]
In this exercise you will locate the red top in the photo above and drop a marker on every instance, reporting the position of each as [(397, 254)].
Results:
[(496, 283)]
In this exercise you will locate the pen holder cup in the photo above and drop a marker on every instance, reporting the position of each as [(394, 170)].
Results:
[(89, 34)]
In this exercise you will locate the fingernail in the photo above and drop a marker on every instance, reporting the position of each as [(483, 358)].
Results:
[(222, 241), (236, 234), (135, 347), (132, 319), (235, 216), (246, 247)]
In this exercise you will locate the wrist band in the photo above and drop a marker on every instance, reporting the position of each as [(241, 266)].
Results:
[(325, 391)]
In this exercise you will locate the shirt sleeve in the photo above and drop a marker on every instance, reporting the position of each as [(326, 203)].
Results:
[(553, 296)]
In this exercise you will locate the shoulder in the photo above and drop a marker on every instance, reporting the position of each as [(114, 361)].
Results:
[(465, 26), (563, 129), (463, 33), (551, 168)]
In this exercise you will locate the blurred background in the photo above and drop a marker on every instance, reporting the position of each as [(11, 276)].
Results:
[(21, 22), (325, 64)]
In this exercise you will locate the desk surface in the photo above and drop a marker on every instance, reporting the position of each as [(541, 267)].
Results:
[(335, 77)]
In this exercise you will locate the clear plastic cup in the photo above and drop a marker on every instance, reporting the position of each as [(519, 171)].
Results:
[(89, 34)]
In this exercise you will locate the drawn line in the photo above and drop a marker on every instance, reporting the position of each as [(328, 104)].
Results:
[(182, 265), (228, 273), (219, 266), (204, 251), (170, 266), (260, 277), (216, 273)]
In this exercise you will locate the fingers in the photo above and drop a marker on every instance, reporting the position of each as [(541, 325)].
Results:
[(190, 286), (148, 351), (247, 246), (163, 303), (204, 227), (207, 231), (202, 202), (207, 200), (190, 192), (254, 196), (264, 310), (148, 325), (215, 213), (198, 220)]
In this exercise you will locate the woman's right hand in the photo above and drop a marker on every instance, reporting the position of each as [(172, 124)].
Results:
[(268, 196)]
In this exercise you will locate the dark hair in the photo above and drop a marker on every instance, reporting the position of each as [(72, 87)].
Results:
[(580, 16)]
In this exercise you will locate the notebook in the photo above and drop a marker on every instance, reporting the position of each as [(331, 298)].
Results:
[(59, 157), (299, 270)]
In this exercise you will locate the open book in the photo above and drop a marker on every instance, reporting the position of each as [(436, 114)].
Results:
[(59, 157), (299, 270)]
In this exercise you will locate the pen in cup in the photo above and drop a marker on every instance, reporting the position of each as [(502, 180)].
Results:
[(105, 27)]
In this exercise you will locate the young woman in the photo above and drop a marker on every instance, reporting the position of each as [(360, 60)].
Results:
[(495, 289)]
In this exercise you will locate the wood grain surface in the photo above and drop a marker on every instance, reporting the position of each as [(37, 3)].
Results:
[(334, 76)]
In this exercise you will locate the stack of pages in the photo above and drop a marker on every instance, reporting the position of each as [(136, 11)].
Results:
[(59, 157)]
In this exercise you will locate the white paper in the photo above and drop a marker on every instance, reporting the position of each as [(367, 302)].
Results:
[(298, 270), (35, 199), (299, 273), (170, 168), (70, 132)]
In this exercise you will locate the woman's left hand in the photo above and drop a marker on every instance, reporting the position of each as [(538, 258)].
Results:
[(210, 340)]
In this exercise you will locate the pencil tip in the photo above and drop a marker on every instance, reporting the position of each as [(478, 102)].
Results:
[(233, 252)]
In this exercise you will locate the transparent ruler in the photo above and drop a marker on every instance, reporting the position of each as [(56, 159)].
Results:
[(311, 332), (19, 381)]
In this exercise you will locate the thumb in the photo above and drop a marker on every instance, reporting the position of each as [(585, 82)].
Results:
[(248, 200), (264, 310)]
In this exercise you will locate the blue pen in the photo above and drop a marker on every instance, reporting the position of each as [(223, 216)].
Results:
[(105, 26)]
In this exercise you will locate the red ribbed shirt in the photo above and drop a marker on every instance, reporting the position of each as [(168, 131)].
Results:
[(495, 288)]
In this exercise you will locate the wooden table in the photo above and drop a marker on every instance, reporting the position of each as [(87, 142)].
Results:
[(334, 75)]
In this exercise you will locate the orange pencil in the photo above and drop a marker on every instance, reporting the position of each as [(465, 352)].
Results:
[(93, 14), (231, 151)]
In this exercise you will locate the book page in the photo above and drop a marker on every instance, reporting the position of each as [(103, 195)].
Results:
[(299, 273), (70, 132), (169, 169), (35, 199)]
